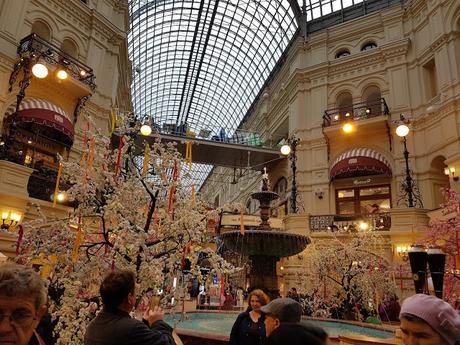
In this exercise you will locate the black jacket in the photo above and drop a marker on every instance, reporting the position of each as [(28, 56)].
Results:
[(119, 328), (297, 333), (240, 329)]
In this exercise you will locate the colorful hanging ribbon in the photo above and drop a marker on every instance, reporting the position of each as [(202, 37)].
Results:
[(20, 239), (172, 191), (56, 189), (114, 114), (145, 166), (193, 194), (188, 154)]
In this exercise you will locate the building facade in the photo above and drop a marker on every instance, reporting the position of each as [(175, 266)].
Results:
[(86, 40), (367, 72)]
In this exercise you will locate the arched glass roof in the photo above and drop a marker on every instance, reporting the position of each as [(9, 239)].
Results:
[(203, 62)]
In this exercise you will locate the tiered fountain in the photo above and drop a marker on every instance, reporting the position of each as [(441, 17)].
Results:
[(265, 245)]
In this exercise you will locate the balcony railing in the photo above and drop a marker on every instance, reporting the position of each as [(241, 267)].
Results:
[(36, 48), (358, 111), (351, 222), (42, 184)]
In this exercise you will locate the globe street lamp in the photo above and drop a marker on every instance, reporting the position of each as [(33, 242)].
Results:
[(290, 149), (401, 131)]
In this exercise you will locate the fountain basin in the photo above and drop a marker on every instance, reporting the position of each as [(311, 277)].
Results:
[(215, 327), (265, 242)]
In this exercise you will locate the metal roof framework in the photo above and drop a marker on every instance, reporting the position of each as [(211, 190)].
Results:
[(202, 64)]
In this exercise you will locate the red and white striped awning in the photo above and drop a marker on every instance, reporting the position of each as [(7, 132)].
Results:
[(44, 113), (360, 160)]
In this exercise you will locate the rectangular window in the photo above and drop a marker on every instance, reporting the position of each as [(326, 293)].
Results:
[(363, 200), (430, 79)]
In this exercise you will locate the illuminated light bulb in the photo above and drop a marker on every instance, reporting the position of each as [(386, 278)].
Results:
[(336, 117), (285, 149), (61, 74), (146, 130), (82, 73), (363, 226), (347, 127), (402, 130), (61, 197), (39, 70)]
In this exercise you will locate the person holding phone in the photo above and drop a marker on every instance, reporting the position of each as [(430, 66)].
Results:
[(114, 325)]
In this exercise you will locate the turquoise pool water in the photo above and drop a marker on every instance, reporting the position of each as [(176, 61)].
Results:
[(221, 324)]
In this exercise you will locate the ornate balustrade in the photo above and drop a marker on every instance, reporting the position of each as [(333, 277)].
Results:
[(351, 223), (357, 111)]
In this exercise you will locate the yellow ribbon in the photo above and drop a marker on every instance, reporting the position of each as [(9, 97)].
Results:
[(56, 189), (114, 113), (145, 167), (188, 154)]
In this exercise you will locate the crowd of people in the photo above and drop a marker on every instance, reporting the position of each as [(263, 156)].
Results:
[(425, 319)]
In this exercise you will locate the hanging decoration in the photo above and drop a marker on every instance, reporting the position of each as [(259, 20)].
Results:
[(193, 194), (20, 239), (56, 189), (114, 114), (172, 191), (145, 166), (188, 154)]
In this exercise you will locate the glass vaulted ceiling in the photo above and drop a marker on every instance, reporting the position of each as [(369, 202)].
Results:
[(202, 62)]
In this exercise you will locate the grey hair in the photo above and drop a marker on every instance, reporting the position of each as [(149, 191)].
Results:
[(17, 280)]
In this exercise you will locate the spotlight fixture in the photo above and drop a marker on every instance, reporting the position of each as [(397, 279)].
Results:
[(347, 127), (61, 74), (347, 114), (39, 70), (29, 141), (368, 110), (336, 117), (451, 171), (82, 73)]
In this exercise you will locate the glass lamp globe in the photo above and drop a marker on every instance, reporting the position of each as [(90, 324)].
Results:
[(39, 70), (402, 130), (146, 130), (285, 149)]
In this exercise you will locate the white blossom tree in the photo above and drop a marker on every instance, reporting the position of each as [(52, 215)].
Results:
[(347, 271), (134, 209)]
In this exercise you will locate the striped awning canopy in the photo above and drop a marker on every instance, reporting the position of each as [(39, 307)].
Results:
[(42, 112), (358, 162)]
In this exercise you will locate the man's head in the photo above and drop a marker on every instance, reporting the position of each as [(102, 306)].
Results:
[(428, 320), (117, 290), (22, 303), (281, 310)]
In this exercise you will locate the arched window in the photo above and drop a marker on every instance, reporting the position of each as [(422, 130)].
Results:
[(342, 53), (372, 97), (41, 29), (345, 105), (69, 47), (368, 46)]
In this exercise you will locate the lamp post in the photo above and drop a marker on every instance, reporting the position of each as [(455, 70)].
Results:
[(290, 149), (401, 131)]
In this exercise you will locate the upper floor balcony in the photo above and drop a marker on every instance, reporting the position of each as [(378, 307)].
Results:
[(355, 112), (380, 221)]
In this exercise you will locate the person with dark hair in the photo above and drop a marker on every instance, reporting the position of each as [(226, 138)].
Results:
[(283, 326), (114, 325), (22, 305), (428, 320), (249, 328)]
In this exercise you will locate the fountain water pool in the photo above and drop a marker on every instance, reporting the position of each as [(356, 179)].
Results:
[(218, 325)]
